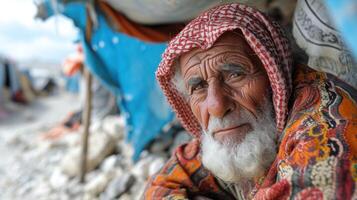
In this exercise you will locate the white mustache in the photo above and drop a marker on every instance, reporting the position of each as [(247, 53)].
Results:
[(233, 119)]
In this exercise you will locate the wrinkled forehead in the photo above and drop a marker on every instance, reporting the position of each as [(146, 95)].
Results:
[(229, 44)]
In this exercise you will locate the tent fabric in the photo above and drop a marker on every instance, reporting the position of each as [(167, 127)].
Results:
[(126, 65), (159, 33), (2, 82), (164, 11), (9, 77)]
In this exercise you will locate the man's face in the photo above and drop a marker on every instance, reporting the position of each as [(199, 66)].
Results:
[(227, 87)]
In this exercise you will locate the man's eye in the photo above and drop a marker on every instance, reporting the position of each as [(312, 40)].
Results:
[(235, 75), (197, 87)]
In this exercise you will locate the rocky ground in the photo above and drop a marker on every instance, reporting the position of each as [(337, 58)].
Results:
[(34, 168)]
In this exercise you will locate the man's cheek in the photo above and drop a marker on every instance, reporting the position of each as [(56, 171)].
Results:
[(247, 99), (261, 84), (196, 105), (256, 90)]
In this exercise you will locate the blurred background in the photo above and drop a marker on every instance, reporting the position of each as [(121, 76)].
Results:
[(81, 114)]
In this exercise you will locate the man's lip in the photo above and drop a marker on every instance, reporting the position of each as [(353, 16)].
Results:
[(228, 129)]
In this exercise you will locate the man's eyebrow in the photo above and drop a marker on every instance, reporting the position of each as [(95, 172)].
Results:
[(194, 81), (233, 67)]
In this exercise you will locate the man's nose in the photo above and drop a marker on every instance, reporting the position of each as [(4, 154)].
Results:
[(218, 101)]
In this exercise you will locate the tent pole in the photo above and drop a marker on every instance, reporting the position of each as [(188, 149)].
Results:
[(86, 122)]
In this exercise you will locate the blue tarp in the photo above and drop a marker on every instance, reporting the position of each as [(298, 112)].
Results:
[(127, 67)]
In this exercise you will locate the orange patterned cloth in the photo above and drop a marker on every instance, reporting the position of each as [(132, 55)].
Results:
[(317, 156)]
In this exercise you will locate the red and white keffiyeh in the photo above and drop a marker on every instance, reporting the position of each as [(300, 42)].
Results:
[(264, 37)]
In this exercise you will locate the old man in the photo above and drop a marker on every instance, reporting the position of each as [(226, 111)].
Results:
[(265, 127)]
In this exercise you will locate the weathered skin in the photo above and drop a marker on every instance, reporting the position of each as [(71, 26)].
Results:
[(226, 78)]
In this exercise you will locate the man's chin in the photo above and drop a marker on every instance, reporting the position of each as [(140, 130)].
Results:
[(222, 160), (244, 159)]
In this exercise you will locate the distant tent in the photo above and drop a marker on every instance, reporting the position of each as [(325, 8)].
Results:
[(125, 65)]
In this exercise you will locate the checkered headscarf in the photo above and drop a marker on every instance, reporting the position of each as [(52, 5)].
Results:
[(264, 37)]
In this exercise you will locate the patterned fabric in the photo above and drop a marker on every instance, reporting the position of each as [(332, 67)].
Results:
[(265, 38), (317, 156), (318, 151), (314, 32)]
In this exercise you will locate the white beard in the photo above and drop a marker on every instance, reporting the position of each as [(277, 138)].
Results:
[(234, 163)]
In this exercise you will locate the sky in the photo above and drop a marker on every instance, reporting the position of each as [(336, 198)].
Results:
[(24, 38)]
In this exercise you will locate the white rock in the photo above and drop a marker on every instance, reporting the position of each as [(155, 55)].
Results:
[(41, 190), (14, 140), (156, 165), (141, 168), (92, 174), (55, 158), (100, 146), (74, 188), (70, 162), (162, 143), (109, 163), (37, 152), (118, 172), (26, 188), (96, 126), (118, 186), (58, 179), (126, 150), (97, 185), (115, 126), (88, 197), (71, 140), (137, 190), (125, 197)]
